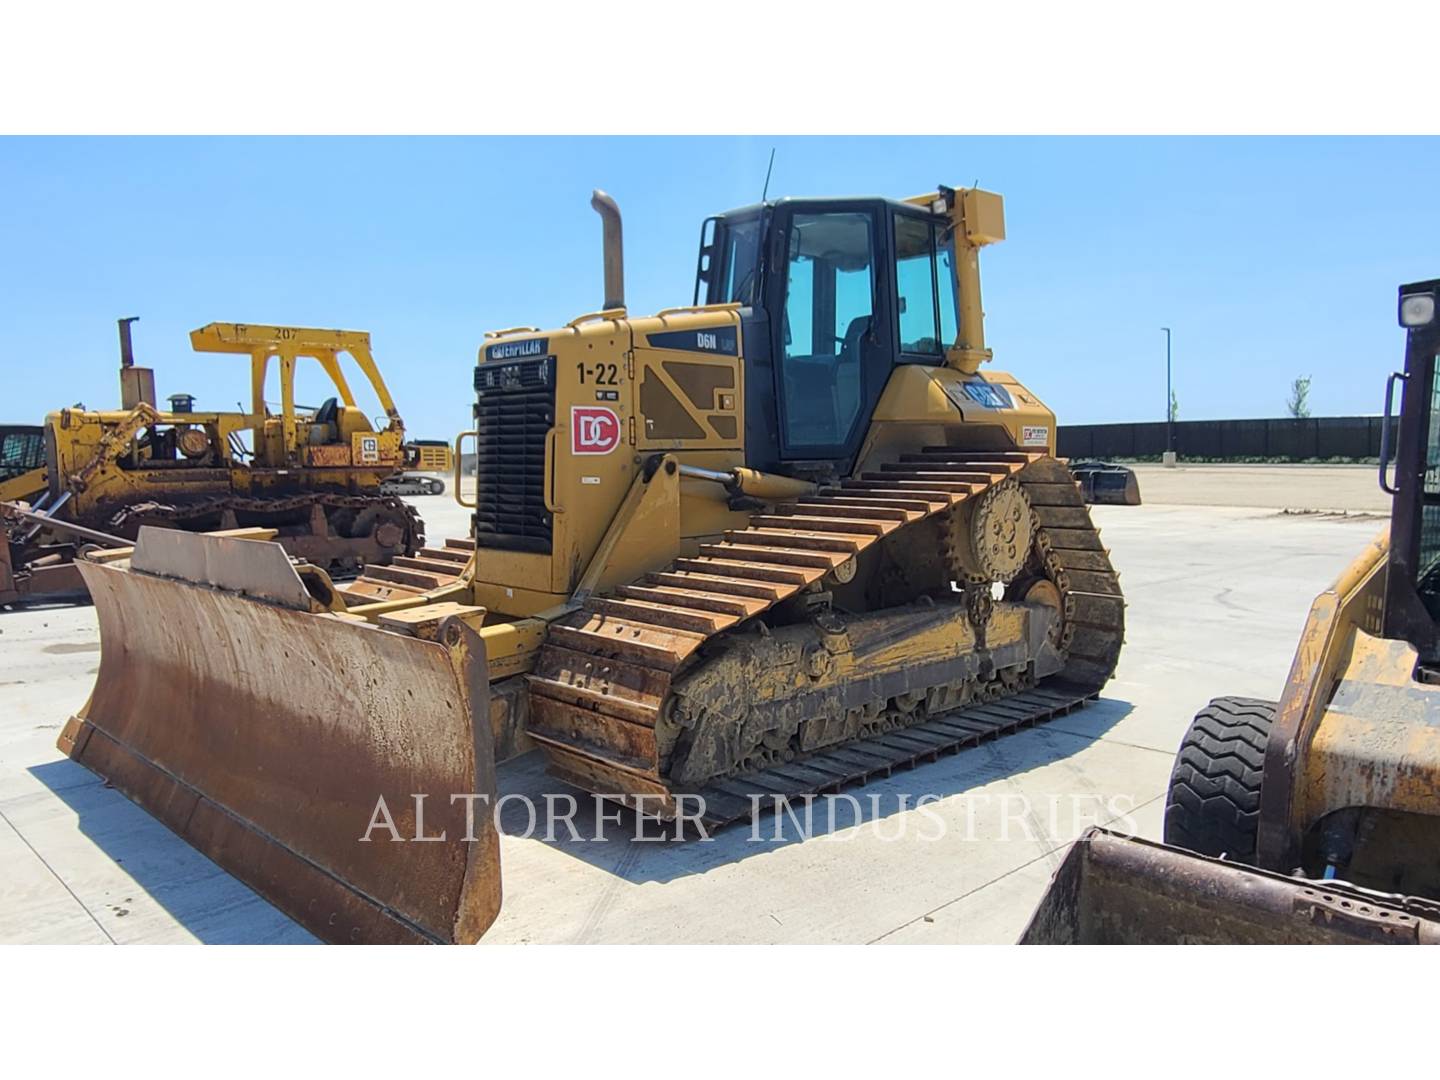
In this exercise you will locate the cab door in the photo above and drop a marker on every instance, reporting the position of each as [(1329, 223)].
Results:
[(1412, 594), (834, 348)]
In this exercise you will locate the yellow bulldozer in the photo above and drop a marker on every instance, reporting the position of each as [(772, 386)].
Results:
[(313, 475), (781, 540), (1314, 819)]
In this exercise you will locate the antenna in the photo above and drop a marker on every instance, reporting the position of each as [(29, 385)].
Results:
[(768, 168)]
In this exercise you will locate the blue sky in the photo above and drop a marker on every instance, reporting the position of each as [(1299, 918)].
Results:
[(1269, 258)]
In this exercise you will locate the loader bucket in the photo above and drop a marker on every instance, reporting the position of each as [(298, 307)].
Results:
[(1104, 483), (265, 731), (1112, 890)]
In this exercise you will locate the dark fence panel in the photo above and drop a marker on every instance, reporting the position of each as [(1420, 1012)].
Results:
[(1285, 439)]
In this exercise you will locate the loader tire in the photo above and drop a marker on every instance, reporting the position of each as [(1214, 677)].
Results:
[(1213, 805)]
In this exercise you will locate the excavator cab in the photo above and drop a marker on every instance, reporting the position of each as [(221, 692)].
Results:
[(1315, 818)]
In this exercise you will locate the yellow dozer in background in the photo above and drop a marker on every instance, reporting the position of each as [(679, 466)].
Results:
[(1315, 818), (776, 542), (314, 475)]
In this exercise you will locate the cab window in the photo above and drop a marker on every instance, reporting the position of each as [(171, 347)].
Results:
[(925, 287), (828, 316), (1428, 571), (918, 320), (742, 263)]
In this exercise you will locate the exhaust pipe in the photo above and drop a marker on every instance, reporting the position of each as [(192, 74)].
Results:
[(137, 384), (609, 213), (127, 347)]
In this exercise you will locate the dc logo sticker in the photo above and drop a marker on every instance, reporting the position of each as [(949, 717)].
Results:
[(593, 430)]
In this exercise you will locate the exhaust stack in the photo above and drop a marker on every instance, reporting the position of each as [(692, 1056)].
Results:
[(609, 213), (137, 384)]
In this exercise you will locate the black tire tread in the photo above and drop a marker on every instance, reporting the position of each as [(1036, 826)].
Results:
[(1213, 805)]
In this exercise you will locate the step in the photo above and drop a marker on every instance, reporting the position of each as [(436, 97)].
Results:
[(454, 555), (1008, 457), (433, 566), (854, 524), (930, 501), (972, 480), (459, 544), (788, 577), (818, 506), (961, 472), (693, 598), (716, 584), (400, 576), (670, 615), (886, 482), (791, 538), (822, 560)]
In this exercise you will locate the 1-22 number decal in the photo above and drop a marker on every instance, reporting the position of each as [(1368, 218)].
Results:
[(601, 374)]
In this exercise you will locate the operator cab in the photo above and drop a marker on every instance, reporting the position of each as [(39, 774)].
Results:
[(1412, 594), (833, 293)]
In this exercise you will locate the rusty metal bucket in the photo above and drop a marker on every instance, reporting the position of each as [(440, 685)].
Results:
[(265, 731), (1114, 890), (1102, 482)]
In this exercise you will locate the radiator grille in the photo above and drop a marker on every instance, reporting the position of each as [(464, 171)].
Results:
[(514, 410)]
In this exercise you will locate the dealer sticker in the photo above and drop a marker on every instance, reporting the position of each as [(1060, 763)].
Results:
[(1035, 436), (594, 429)]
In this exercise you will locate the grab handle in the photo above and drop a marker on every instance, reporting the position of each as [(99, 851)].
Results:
[(459, 494), (1385, 433), (551, 450)]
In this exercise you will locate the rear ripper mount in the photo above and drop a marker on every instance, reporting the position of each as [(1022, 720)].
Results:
[(625, 700)]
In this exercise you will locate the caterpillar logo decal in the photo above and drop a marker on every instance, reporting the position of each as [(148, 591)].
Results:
[(517, 350), (594, 429)]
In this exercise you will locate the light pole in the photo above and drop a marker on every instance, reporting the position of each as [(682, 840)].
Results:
[(1169, 455)]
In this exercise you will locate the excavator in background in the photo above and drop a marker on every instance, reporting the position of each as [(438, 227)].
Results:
[(781, 540), (1314, 819), (314, 477)]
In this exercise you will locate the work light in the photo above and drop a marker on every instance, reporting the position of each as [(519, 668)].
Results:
[(1416, 310)]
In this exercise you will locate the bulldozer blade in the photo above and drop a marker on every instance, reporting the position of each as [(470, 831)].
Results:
[(266, 733), (1114, 890)]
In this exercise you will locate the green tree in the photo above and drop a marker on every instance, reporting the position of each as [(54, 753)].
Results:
[(1299, 404), (1174, 407)]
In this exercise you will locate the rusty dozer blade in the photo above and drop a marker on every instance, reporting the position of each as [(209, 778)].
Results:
[(265, 730), (1114, 890)]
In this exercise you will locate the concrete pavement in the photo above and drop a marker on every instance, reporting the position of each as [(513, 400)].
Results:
[(1216, 599)]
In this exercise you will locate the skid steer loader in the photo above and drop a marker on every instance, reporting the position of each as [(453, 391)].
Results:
[(1315, 818), (782, 540), (314, 476)]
